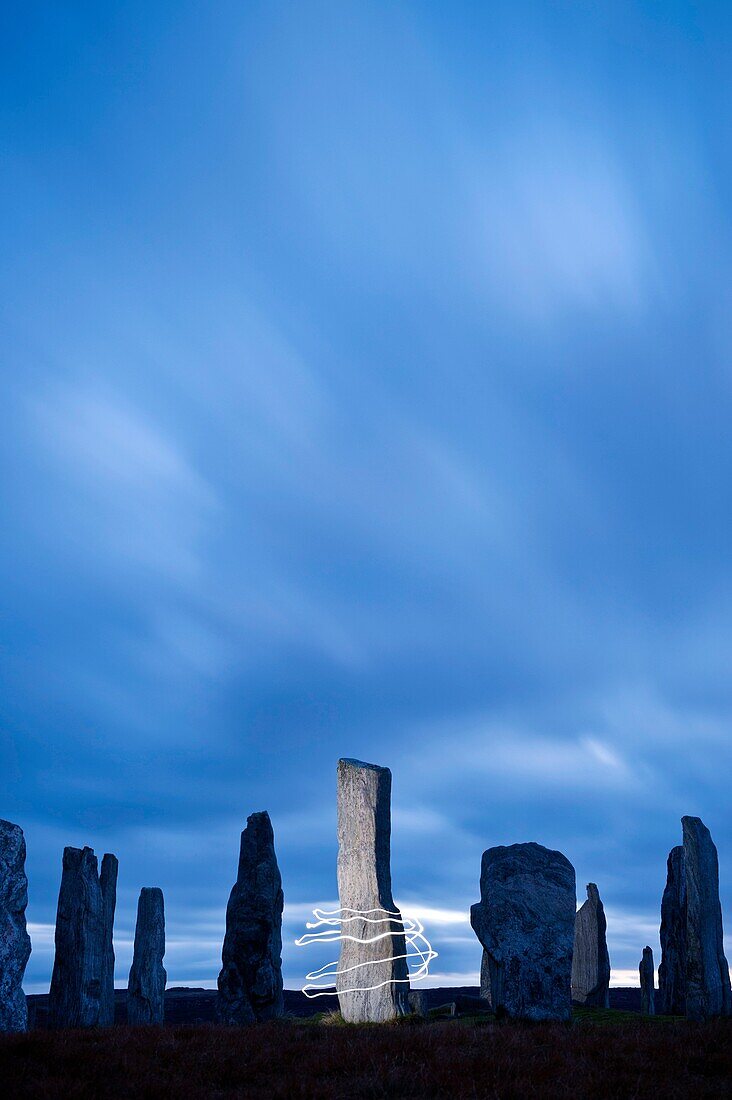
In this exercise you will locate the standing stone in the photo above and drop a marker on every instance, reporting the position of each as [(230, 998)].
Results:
[(485, 978), (373, 977), (108, 885), (707, 973), (74, 997), (15, 945), (525, 922), (672, 970), (590, 960), (146, 987), (250, 982), (648, 995), (418, 1003)]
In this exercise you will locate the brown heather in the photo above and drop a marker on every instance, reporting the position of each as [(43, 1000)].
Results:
[(605, 1055)]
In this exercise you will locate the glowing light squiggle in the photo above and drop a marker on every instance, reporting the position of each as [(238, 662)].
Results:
[(418, 947)]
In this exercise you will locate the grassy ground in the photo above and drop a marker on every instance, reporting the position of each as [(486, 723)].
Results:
[(603, 1054)]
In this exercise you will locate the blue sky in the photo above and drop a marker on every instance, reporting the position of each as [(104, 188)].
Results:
[(366, 391)]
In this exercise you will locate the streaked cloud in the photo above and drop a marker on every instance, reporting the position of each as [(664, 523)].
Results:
[(380, 410)]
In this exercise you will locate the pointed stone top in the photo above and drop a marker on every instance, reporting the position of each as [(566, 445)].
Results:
[(593, 894), (257, 843), (688, 823), (258, 832), (258, 818), (347, 760)]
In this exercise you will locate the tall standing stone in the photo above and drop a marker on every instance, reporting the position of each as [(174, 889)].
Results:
[(15, 945), (707, 973), (81, 968), (525, 922), (146, 987), (373, 977), (250, 982), (108, 885), (672, 969), (590, 959), (648, 995)]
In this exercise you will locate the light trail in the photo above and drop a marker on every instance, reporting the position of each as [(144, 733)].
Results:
[(416, 943)]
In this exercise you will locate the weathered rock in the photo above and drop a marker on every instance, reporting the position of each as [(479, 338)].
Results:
[(81, 968), (648, 995), (485, 978), (373, 977), (250, 982), (15, 944), (672, 969), (146, 986), (525, 922), (108, 885), (590, 959), (707, 973), (418, 1002)]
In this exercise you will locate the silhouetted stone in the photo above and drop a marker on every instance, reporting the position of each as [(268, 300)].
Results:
[(418, 1002), (74, 998), (15, 944), (364, 883), (648, 995), (672, 969), (525, 922), (590, 959), (146, 986), (108, 885), (707, 973), (250, 982)]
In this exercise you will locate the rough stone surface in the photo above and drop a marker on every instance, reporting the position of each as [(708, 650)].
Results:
[(485, 978), (672, 970), (83, 940), (590, 959), (364, 883), (250, 982), (108, 885), (146, 986), (525, 922), (707, 973), (648, 994), (15, 945), (418, 1003)]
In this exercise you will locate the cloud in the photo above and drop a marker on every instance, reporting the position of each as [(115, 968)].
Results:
[(380, 410), (556, 223), (128, 490)]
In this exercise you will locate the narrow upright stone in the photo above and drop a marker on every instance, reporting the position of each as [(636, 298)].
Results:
[(648, 995), (74, 998), (590, 959), (485, 978), (707, 973), (373, 977), (15, 945), (108, 885), (250, 982), (525, 922), (672, 969), (146, 987)]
